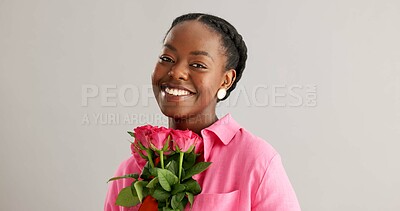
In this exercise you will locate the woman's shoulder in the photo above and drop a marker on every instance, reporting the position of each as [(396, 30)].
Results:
[(239, 139), (253, 143)]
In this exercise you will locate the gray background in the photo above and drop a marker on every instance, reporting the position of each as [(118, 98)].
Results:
[(340, 154)]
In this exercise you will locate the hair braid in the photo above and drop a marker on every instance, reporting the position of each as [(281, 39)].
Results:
[(235, 47)]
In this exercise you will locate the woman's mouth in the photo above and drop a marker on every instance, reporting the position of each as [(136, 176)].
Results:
[(176, 92)]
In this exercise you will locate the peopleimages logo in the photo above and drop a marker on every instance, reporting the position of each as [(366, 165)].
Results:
[(111, 95), (104, 97), (128, 95)]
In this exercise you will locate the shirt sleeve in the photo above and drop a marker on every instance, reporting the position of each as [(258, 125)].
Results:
[(275, 192), (129, 166)]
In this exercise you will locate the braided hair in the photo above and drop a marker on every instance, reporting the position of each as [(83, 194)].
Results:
[(235, 47)]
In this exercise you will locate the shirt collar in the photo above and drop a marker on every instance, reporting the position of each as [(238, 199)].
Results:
[(224, 128)]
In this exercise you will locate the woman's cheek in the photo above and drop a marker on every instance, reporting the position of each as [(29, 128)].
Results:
[(157, 75)]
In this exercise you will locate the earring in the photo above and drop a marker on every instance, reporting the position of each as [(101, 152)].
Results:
[(221, 93)]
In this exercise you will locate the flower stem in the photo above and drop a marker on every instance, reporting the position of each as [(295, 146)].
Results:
[(150, 158), (162, 159), (180, 164)]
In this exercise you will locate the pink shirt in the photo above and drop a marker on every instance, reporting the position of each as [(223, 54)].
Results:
[(246, 173)]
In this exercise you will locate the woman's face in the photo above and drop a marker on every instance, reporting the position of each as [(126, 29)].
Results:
[(189, 72)]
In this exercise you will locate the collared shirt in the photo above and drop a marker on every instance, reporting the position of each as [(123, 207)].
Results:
[(246, 173)]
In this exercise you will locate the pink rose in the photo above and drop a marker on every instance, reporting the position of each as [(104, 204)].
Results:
[(142, 134), (159, 138), (184, 140)]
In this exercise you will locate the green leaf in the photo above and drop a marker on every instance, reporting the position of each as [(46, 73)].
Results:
[(196, 169), (133, 190), (176, 200), (131, 133), (161, 195), (192, 186), (172, 156), (126, 198), (161, 204), (146, 172), (166, 178), (139, 188), (183, 203), (189, 160), (190, 198), (153, 172), (183, 172), (172, 167), (145, 192), (180, 196), (152, 183), (134, 176), (177, 188)]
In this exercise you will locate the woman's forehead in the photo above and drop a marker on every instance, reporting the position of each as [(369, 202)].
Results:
[(193, 36)]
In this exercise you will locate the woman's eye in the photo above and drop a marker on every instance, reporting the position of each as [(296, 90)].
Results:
[(197, 65), (166, 59)]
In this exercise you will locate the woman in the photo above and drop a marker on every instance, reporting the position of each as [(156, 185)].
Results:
[(202, 59)]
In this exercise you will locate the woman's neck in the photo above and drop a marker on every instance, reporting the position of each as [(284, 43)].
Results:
[(195, 124)]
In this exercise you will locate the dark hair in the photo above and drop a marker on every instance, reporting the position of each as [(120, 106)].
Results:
[(235, 47)]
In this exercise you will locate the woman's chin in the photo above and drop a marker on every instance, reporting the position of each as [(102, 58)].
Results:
[(176, 113)]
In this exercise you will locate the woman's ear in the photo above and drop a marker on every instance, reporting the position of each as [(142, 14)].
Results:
[(228, 79)]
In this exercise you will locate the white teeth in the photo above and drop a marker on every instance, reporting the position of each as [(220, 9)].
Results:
[(176, 92)]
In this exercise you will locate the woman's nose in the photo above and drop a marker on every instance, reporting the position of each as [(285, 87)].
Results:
[(178, 72)]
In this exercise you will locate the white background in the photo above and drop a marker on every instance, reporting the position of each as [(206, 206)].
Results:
[(340, 154)]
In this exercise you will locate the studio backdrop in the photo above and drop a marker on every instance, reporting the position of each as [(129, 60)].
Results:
[(322, 86)]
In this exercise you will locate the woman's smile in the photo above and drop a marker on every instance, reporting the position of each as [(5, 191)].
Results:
[(175, 93)]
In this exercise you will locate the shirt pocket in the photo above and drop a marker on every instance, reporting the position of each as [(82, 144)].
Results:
[(217, 201)]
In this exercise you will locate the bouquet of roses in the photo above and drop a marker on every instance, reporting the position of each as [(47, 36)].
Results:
[(165, 182)]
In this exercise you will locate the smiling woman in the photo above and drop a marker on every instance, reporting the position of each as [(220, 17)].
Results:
[(201, 61), (189, 74)]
